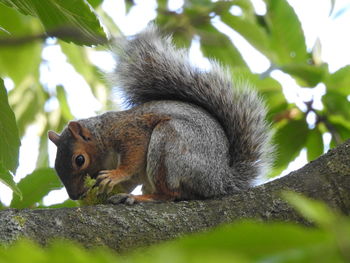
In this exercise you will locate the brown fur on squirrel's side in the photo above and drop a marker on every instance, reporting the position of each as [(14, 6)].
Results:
[(206, 137)]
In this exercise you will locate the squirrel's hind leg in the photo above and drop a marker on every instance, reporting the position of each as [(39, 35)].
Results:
[(185, 160)]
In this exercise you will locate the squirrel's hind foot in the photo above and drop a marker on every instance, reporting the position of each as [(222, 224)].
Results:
[(131, 199)]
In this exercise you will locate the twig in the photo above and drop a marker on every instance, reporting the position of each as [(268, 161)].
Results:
[(62, 33)]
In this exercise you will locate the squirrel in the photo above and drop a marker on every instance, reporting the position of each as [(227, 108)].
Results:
[(190, 133)]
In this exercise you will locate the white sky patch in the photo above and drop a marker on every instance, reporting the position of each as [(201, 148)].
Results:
[(316, 23), (74, 84), (313, 15), (137, 18), (56, 197), (175, 5), (196, 56), (259, 7), (299, 162), (9, 85), (103, 60), (298, 95)]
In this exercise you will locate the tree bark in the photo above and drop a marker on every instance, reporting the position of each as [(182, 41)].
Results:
[(123, 227)]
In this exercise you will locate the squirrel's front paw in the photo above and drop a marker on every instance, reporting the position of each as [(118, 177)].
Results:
[(121, 199), (107, 179)]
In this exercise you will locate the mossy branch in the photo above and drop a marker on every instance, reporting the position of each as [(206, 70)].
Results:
[(124, 227)]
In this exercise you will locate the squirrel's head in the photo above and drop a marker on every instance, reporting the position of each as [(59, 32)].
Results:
[(77, 156)]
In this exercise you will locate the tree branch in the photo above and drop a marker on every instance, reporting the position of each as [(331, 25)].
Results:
[(123, 227), (70, 33)]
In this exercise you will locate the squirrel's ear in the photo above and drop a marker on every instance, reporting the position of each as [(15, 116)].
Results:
[(54, 137), (78, 131)]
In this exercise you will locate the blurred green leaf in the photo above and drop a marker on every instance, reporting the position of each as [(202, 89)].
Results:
[(95, 3), (7, 179), (64, 107), (26, 64), (247, 242), (337, 104), (35, 186), (43, 156), (240, 242), (23, 251), (27, 102), (306, 75), (340, 128), (314, 211), (339, 81), (286, 34), (333, 222), (250, 30), (75, 19), (161, 3), (314, 144), (218, 46), (9, 138), (295, 131)]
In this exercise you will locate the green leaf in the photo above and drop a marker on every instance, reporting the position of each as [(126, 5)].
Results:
[(7, 178), (43, 156), (287, 37), (314, 211), (26, 104), (35, 186), (336, 104), (75, 20), (64, 107), (23, 251), (295, 131), (28, 56), (314, 144), (246, 242), (9, 138), (218, 46), (306, 75), (339, 81), (95, 3), (335, 223), (250, 30), (340, 129)]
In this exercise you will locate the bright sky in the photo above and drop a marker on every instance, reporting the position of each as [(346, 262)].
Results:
[(332, 32)]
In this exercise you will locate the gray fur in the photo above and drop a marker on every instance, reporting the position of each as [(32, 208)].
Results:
[(225, 137)]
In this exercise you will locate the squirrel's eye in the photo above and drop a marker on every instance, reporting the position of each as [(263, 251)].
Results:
[(79, 160)]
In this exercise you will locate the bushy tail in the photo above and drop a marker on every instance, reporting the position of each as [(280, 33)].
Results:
[(150, 68)]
